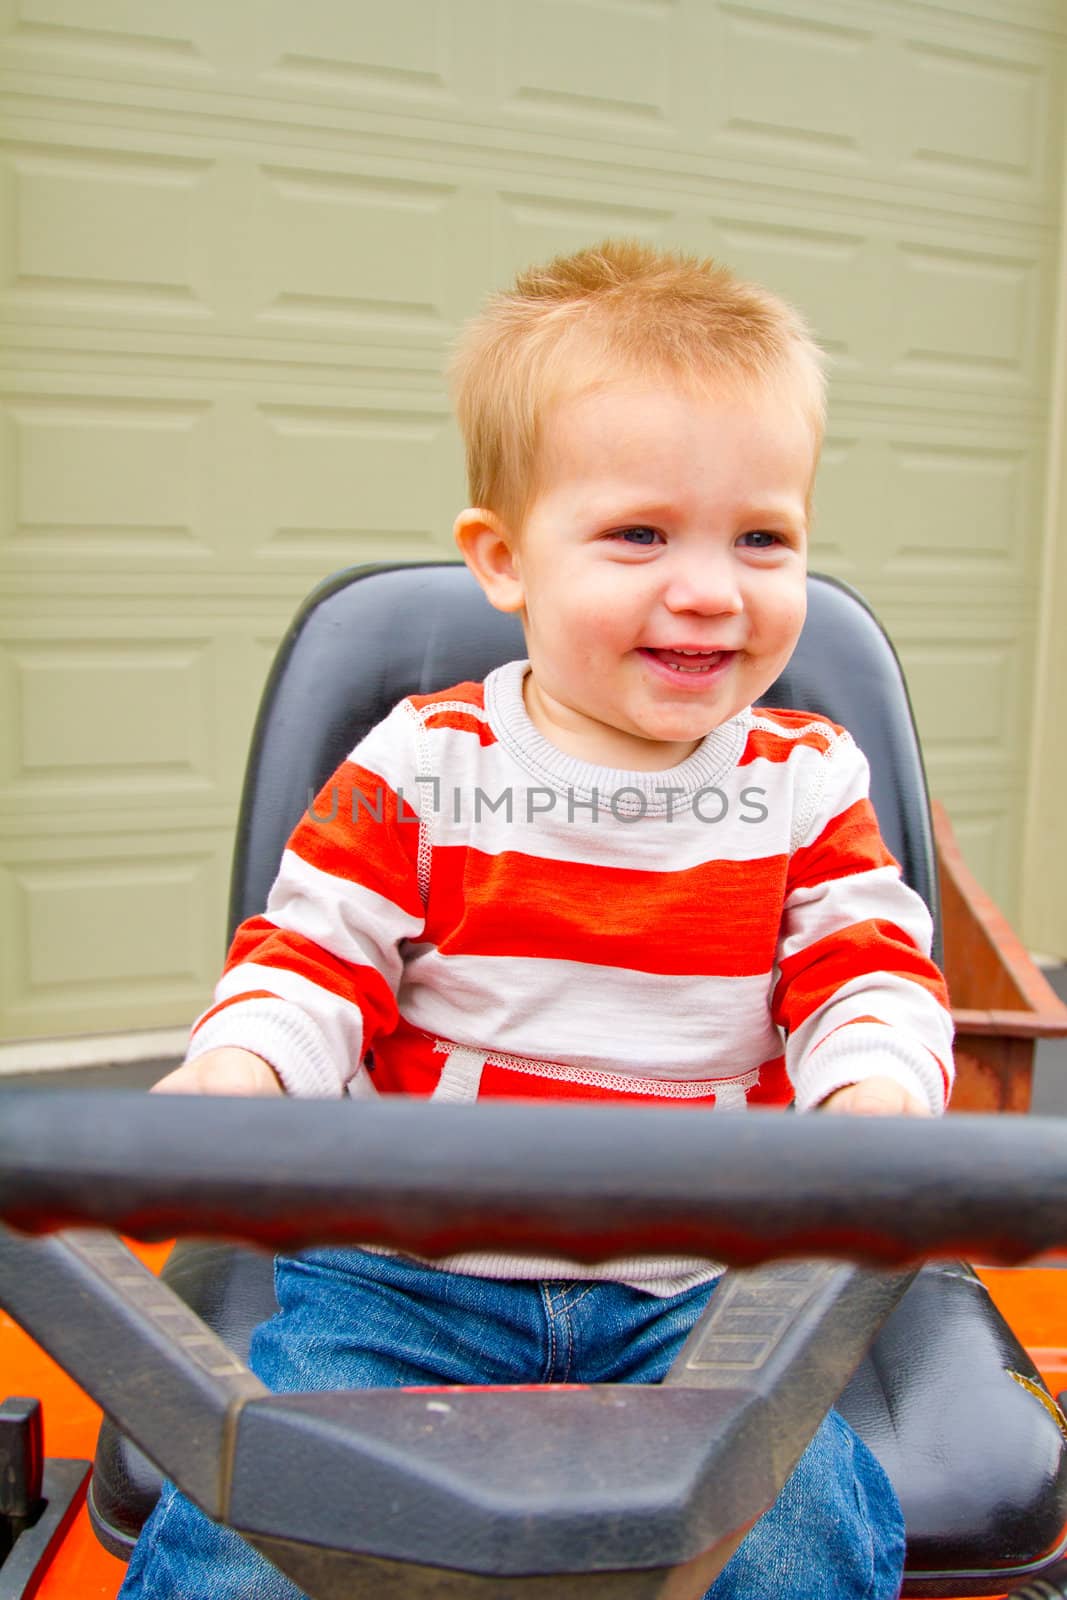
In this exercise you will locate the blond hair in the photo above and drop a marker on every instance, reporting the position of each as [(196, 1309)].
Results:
[(619, 309)]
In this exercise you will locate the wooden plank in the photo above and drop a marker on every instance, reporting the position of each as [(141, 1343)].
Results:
[(1001, 1003)]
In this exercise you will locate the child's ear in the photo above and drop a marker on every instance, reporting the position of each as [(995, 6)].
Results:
[(488, 547)]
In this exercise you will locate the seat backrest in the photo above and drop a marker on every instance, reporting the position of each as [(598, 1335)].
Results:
[(371, 635)]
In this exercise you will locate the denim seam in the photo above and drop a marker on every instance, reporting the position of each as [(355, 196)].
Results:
[(159, 1553), (863, 1507), (565, 1314), (550, 1330), (559, 1322)]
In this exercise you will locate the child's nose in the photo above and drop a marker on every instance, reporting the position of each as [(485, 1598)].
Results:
[(705, 584)]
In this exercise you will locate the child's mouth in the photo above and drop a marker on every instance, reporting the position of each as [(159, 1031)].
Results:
[(689, 662)]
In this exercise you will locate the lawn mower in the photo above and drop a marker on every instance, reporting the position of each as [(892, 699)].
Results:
[(617, 1491)]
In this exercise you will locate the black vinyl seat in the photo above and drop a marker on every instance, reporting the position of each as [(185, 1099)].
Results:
[(946, 1397), (369, 636)]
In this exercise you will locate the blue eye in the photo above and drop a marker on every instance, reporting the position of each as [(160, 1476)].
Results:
[(638, 536), (765, 539)]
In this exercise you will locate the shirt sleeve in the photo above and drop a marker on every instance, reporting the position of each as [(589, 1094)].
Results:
[(311, 983), (856, 991)]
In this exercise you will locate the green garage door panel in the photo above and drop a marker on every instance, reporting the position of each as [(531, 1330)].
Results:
[(235, 241)]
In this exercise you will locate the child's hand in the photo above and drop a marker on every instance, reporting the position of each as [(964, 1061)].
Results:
[(875, 1097), (224, 1071)]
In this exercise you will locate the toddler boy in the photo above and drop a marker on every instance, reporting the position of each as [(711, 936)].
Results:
[(601, 874)]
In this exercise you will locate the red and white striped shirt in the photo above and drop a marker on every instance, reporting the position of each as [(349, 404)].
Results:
[(468, 911)]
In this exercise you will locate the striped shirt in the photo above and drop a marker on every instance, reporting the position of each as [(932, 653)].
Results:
[(468, 911)]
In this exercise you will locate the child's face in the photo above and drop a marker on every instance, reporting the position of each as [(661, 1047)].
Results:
[(661, 566)]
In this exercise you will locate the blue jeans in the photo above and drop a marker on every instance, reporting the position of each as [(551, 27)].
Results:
[(349, 1319)]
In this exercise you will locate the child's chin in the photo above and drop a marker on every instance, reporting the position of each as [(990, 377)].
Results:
[(690, 721), (676, 741)]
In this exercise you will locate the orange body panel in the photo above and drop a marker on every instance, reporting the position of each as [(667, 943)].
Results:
[(1034, 1301), (82, 1569)]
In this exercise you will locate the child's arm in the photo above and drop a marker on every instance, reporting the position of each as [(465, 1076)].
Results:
[(225, 1071), (864, 1008), (875, 1097), (310, 983)]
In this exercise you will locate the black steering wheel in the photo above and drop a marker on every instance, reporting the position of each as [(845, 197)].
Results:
[(445, 1497)]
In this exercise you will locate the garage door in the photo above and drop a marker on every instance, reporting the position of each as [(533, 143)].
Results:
[(236, 241)]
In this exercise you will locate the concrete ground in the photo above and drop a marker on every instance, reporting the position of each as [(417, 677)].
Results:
[(136, 1075)]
